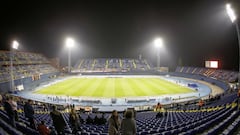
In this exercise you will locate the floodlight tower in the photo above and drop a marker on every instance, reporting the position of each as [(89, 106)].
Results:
[(14, 47), (69, 44), (158, 42), (233, 17)]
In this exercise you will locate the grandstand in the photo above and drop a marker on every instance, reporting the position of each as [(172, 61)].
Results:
[(219, 114), (111, 65), (223, 75), (28, 69)]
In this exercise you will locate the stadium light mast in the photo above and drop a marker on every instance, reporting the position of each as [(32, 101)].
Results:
[(69, 44), (233, 17), (158, 43), (14, 46)]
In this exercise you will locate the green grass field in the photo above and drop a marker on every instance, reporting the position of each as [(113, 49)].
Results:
[(113, 87)]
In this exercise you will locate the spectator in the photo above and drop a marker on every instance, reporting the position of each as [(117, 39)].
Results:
[(114, 124), (1, 98), (52, 131), (89, 120), (102, 119), (238, 94), (200, 104), (80, 118), (166, 113), (158, 107), (14, 106), (159, 115), (29, 113), (96, 120), (43, 129), (58, 121), (8, 108), (74, 120), (45, 107), (128, 126)]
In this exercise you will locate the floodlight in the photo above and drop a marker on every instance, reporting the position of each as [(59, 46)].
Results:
[(231, 12), (233, 17), (158, 42), (15, 44), (69, 42)]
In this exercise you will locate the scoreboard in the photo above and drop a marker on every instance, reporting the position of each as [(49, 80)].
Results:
[(211, 64)]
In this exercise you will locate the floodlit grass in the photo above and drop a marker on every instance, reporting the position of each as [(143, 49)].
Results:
[(114, 87)]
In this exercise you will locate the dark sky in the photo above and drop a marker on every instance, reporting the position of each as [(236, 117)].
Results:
[(193, 30)]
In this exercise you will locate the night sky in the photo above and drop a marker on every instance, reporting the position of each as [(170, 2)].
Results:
[(193, 31)]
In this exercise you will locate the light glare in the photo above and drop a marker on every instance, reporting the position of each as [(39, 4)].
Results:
[(231, 12), (158, 42), (211, 64), (214, 64), (69, 42), (15, 45)]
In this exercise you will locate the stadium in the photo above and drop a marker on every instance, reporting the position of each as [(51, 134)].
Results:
[(96, 86), (163, 100), (100, 89)]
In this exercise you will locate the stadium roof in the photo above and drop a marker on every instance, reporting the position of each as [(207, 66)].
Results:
[(193, 30)]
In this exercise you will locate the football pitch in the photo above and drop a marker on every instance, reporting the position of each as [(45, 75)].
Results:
[(111, 87)]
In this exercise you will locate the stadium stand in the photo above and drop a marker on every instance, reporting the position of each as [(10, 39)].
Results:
[(218, 117), (223, 75), (218, 77), (28, 68), (111, 65)]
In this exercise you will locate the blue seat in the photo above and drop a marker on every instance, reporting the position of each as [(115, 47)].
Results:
[(85, 133), (9, 129), (144, 133), (94, 134)]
